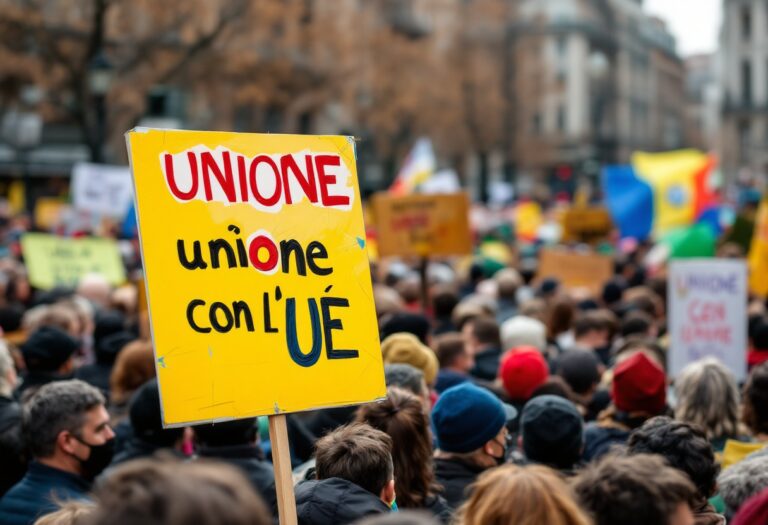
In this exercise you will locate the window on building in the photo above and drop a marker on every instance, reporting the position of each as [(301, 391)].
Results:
[(746, 23), (561, 119), (536, 123), (746, 82), (744, 139)]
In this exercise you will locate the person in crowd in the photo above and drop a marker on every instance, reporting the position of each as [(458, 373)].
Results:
[(754, 511), (551, 433), (635, 490), (522, 330), (147, 433), (444, 300), (70, 513), (741, 481), (582, 370), (559, 323), (408, 323), (48, 356), (522, 371), (408, 378), (455, 360), (482, 339), (531, 495), (96, 289), (401, 415), (638, 324), (152, 492), (407, 348), (355, 478), (708, 396), (686, 448), (107, 349), (638, 392), (13, 455), (755, 403), (134, 366), (508, 282), (405, 517), (470, 426), (592, 332), (236, 443), (66, 427)]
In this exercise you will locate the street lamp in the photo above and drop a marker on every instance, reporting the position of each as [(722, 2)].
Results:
[(100, 74)]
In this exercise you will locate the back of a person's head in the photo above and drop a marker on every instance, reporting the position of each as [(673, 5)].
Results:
[(552, 431), (588, 322), (532, 495), (448, 348), (444, 301), (405, 376), (404, 517), (227, 433), (56, 407), (634, 490), (357, 453), (134, 366), (146, 417), (152, 492), (742, 481), (69, 513), (401, 415), (684, 446), (508, 280), (561, 314), (523, 331), (406, 322), (708, 396), (636, 323), (580, 369), (755, 412), (485, 330)]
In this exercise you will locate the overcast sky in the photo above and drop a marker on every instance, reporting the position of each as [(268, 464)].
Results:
[(695, 23)]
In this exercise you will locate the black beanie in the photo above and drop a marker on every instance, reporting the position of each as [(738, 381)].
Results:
[(48, 348), (146, 418)]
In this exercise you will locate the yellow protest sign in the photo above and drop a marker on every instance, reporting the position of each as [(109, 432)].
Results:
[(586, 224), (60, 261), (48, 211), (576, 270), (422, 225), (758, 253), (257, 273)]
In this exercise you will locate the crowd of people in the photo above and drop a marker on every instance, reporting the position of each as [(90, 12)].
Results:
[(510, 400)]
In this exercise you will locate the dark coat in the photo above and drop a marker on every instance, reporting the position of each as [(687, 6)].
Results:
[(335, 500), (97, 375), (455, 476), (487, 364), (34, 495), (249, 459), (599, 440), (13, 459), (439, 508), (449, 378)]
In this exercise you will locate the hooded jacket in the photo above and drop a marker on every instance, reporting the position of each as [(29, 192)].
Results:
[(335, 500)]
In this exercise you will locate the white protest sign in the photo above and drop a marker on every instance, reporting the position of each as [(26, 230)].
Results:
[(708, 313), (102, 189)]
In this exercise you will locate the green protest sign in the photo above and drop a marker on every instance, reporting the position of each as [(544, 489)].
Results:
[(59, 261)]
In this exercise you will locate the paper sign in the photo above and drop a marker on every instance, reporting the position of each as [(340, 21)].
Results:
[(59, 261), (49, 212), (422, 225), (102, 189), (588, 224), (257, 273), (576, 270), (708, 313)]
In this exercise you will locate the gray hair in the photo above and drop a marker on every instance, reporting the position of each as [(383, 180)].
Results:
[(708, 396), (6, 364), (405, 376), (742, 481), (56, 407)]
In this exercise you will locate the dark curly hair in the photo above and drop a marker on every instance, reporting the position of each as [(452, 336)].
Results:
[(755, 413), (632, 490), (684, 446)]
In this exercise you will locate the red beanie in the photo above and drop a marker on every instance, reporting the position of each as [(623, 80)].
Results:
[(754, 511), (639, 385), (523, 370)]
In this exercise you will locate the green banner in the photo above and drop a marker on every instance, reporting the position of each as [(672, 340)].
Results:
[(59, 261)]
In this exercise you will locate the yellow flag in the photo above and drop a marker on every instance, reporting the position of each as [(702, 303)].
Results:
[(758, 253)]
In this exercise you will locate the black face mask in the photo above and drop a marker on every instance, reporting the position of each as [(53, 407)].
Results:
[(99, 458), (500, 460)]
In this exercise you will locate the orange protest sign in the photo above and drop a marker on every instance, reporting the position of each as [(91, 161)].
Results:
[(422, 225), (576, 270)]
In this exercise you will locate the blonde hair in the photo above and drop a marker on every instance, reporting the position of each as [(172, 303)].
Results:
[(69, 513), (707, 395), (532, 495)]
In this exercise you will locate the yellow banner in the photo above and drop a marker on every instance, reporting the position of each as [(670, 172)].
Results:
[(257, 273), (758, 253), (59, 261)]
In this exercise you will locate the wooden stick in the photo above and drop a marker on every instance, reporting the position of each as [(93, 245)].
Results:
[(281, 460), (423, 266)]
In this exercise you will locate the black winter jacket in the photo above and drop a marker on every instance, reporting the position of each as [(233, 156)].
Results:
[(335, 500)]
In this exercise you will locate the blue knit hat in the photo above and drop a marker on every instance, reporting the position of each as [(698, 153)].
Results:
[(466, 417)]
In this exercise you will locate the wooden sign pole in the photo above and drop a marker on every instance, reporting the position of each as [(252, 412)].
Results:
[(281, 460), (423, 265)]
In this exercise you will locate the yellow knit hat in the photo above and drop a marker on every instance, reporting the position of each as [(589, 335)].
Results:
[(406, 348)]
